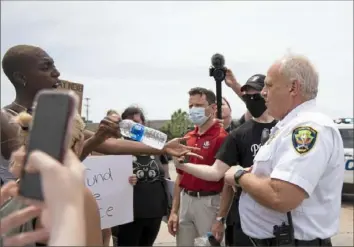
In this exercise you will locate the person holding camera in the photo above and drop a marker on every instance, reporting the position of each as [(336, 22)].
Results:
[(240, 147)]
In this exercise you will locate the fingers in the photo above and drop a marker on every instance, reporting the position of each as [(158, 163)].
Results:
[(190, 148), (170, 228), (109, 126), (41, 162), (18, 218), (174, 226), (133, 179), (218, 236), (194, 155), (26, 238), (110, 122), (114, 117), (8, 190)]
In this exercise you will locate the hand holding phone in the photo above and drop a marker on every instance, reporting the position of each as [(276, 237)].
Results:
[(50, 133)]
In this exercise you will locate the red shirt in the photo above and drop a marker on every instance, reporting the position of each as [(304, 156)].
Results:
[(209, 143)]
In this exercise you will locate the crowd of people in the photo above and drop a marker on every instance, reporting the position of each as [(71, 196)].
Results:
[(239, 179)]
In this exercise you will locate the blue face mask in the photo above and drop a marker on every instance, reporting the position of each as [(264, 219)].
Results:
[(197, 116)]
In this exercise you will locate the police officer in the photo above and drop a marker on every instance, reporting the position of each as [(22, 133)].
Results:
[(298, 170), (292, 193)]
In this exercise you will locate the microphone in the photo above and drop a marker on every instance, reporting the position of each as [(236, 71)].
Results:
[(218, 71), (218, 61)]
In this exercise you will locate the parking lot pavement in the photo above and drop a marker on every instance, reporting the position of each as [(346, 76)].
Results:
[(343, 238)]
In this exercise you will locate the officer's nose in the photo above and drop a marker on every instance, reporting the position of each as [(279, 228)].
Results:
[(264, 93)]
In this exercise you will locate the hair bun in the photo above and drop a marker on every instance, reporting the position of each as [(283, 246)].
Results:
[(24, 120)]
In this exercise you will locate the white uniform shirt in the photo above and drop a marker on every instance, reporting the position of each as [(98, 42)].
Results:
[(305, 149)]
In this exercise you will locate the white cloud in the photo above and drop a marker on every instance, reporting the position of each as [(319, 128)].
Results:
[(151, 53)]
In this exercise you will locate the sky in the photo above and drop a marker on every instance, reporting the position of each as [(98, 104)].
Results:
[(151, 53)]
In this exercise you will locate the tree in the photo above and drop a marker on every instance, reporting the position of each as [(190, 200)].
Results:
[(178, 125)]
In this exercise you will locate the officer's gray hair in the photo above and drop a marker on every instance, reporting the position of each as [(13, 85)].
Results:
[(297, 67)]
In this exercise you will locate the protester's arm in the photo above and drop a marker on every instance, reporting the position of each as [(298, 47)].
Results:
[(115, 146), (118, 146), (206, 172), (232, 82)]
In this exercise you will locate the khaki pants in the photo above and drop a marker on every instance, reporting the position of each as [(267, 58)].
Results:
[(196, 217)]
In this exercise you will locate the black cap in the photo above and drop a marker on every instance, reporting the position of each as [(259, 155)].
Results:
[(256, 82)]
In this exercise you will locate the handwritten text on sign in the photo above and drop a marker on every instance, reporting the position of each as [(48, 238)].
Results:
[(107, 178)]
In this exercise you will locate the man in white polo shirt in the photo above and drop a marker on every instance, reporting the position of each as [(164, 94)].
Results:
[(299, 169)]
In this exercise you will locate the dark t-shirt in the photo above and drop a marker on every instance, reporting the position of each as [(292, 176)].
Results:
[(150, 198), (240, 147), (242, 144)]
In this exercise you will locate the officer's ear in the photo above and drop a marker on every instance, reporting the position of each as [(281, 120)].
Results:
[(294, 88)]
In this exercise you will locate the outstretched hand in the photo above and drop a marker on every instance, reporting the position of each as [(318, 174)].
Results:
[(176, 148)]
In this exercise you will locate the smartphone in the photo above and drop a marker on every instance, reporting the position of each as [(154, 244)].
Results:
[(50, 133)]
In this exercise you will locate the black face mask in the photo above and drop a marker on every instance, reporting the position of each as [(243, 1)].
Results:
[(255, 104)]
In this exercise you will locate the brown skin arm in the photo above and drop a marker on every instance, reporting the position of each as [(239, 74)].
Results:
[(9, 135), (114, 146)]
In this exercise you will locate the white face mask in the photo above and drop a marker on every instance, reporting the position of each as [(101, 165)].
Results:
[(197, 116)]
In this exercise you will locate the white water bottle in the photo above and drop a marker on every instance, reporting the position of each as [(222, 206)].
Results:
[(141, 133)]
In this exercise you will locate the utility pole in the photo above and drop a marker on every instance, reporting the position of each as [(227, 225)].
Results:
[(87, 105)]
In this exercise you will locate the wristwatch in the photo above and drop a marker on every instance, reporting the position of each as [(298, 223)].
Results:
[(238, 175), (221, 220)]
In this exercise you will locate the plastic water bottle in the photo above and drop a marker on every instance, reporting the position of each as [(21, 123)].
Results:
[(207, 240), (141, 133)]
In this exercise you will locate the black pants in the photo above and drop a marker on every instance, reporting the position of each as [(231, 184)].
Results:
[(140, 232), (234, 236)]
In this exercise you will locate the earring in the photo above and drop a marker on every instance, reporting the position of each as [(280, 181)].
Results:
[(24, 84)]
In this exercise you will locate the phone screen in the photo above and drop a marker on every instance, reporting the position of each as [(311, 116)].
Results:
[(48, 134)]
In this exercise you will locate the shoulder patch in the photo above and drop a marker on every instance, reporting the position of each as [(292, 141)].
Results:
[(304, 139)]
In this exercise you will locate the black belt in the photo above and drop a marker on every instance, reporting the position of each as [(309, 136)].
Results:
[(314, 242), (200, 193)]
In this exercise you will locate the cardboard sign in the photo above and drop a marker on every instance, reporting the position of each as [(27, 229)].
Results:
[(108, 179), (77, 87)]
